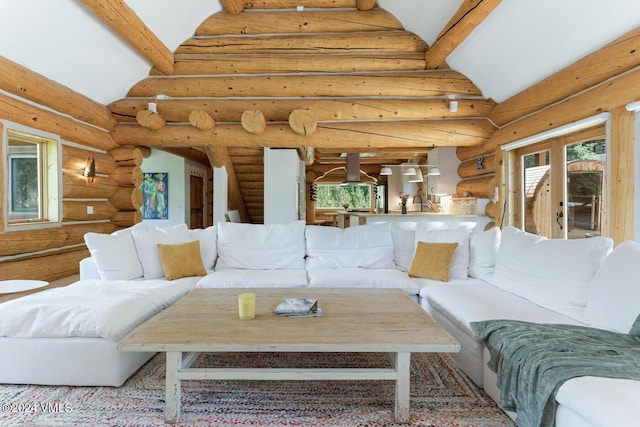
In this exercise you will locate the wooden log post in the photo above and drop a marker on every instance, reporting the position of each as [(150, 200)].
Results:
[(150, 120), (365, 4), (481, 165), (233, 6), (126, 199), (201, 119), (127, 176), (303, 122), (253, 121), (126, 156), (77, 210), (75, 186), (478, 187)]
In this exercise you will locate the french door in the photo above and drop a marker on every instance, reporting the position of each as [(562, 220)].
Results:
[(561, 186)]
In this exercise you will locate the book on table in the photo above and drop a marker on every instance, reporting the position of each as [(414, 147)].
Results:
[(298, 307)]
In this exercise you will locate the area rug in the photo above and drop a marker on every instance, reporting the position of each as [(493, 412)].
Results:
[(441, 395)]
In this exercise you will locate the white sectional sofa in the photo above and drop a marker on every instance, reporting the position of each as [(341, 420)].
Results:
[(492, 275)]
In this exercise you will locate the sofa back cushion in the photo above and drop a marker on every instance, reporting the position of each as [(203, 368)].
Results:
[(614, 297), (147, 241), (553, 273), (364, 246), (208, 238), (404, 245), (115, 254), (261, 247), (483, 250), (459, 268)]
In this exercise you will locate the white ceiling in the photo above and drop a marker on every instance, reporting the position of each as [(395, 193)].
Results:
[(522, 41)]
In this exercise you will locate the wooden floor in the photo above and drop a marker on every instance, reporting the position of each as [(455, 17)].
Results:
[(56, 283)]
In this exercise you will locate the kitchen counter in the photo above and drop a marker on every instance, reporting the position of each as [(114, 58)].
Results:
[(436, 219)]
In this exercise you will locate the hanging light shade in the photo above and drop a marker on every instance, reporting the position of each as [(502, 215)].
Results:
[(411, 171), (417, 177), (386, 170), (434, 171)]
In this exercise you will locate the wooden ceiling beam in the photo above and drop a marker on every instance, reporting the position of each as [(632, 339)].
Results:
[(407, 84), (124, 21), (278, 109), (283, 22), (426, 133), (353, 42), (470, 14), (292, 4), (617, 57), (233, 7), (28, 84), (365, 4)]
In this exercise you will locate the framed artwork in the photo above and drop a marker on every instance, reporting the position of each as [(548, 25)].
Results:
[(155, 195)]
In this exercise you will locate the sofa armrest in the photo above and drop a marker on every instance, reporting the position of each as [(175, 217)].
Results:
[(89, 269)]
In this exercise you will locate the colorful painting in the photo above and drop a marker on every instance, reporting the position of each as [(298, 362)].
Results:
[(155, 194)]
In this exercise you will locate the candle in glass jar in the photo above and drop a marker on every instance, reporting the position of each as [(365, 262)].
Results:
[(247, 306)]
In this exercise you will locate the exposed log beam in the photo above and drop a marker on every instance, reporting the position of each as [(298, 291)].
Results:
[(365, 4), (360, 42), (426, 133), (604, 97), (253, 121), (283, 22), (193, 154), (291, 4), (150, 120), (233, 6), (411, 84), (470, 14), (303, 122), (201, 120), (278, 109), (69, 129), (124, 21), (188, 64), (219, 157), (37, 88), (619, 56)]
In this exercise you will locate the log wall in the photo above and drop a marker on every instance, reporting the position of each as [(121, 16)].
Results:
[(83, 127)]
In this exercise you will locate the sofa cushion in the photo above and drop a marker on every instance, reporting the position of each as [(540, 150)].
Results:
[(362, 278), (115, 254), (240, 278), (364, 246), (483, 250), (433, 260), (208, 244), (183, 260), (404, 246), (553, 273), (614, 297), (459, 268), (147, 241), (261, 247)]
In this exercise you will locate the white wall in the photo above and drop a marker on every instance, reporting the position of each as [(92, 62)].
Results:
[(220, 194), (281, 185), (160, 161)]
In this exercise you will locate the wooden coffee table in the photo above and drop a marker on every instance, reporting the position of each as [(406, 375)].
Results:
[(355, 320)]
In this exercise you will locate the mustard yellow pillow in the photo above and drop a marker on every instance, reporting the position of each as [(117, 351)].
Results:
[(181, 260), (432, 261)]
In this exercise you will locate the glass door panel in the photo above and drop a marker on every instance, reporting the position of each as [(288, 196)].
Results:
[(537, 193)]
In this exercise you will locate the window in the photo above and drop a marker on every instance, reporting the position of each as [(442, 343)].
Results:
[(335, 196), (32, 178)]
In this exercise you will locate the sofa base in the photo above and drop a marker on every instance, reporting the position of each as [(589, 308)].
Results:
[(67, 361)]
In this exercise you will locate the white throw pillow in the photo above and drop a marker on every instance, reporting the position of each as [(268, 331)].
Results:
[(208, 244), (404, 246), (364, 246), (261, 247), (115, 254), (483, 250), (614, 297), (553, 273), (147, 241), (459, 268)]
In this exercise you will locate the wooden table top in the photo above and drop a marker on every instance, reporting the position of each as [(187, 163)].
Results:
[(359, 320)]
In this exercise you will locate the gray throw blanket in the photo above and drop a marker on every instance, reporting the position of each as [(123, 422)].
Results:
[(533, 360)]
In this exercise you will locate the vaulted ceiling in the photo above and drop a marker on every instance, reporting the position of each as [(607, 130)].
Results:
[(363, 74)]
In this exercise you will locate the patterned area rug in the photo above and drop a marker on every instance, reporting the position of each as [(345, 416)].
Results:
[(440, 396)]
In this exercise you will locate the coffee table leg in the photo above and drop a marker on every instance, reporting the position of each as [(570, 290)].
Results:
[(172, 387), (402, 364)]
